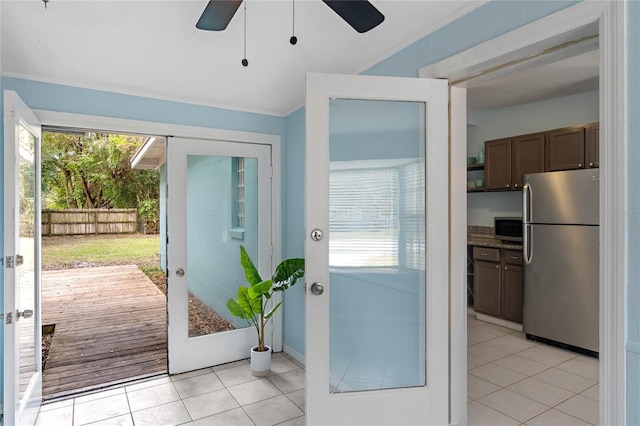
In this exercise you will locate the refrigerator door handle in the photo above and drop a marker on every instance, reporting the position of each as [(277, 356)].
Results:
[(527, 247), (526, 203), (526, 223)]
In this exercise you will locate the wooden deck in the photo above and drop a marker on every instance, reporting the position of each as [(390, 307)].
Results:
[(110, 326)]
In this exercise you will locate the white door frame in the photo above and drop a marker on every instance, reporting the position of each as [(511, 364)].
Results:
[(64, 119), (609, 18)]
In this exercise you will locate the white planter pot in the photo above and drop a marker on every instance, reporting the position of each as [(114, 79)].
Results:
[(260, 361)]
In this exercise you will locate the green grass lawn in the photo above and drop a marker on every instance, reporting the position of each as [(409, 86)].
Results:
[(63, 252)]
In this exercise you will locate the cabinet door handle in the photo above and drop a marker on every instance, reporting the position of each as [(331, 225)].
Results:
[(590, 164), (497, 266), (484, 254), (580, 165), (505, 268), (508, 185), (516, 185), (514, 257)]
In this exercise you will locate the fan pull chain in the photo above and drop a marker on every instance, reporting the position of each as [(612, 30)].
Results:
[(244, 60), (293, 40)]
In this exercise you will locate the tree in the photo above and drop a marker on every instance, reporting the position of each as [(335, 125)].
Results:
[(93, 170)]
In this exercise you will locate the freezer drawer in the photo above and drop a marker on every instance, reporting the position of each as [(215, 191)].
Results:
[(561, 297)]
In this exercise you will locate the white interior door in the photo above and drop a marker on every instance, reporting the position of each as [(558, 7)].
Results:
[(219, 198), (377, 272), (22, 320)]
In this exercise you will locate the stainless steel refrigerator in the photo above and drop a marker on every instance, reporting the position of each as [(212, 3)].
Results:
[(561, 253)]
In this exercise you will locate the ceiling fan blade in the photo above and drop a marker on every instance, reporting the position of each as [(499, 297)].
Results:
[(360, 14), (218, 14)]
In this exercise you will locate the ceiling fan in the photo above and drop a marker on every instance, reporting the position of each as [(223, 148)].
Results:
[(360, 14)]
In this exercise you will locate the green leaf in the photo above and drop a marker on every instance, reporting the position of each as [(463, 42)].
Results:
[(288, 272), (250, 305), (272, 311), (261, 289), (250, 271), (235, 309)]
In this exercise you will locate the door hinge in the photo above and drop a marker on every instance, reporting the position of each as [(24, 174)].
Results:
[(8, 261), (9, 318), (13, 113), (271, 171)]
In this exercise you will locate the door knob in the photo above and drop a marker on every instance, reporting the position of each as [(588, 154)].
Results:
[(180, 272), (316, 235), (27, 313), (317, 289)]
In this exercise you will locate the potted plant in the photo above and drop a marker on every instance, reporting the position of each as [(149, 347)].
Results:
[(252, 302)]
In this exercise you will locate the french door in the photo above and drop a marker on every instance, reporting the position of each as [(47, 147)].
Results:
[(219, 198), (376, 251), (22, 320)]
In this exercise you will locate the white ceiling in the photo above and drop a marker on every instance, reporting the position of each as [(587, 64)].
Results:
[(573, 70), (152, 48)]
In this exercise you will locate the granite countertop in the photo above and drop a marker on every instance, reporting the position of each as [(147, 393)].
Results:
[(482, 236)]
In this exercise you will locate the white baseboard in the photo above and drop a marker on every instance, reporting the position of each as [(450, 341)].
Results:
[(499, 321), (297, 356), (494, 320)]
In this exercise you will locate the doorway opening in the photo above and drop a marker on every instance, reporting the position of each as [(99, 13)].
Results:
[(103, 309), (530, 111)]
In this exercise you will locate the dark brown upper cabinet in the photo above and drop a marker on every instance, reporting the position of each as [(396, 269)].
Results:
[(508, 160), (497, 164), (593, 145), (565, 149), (527, 157)]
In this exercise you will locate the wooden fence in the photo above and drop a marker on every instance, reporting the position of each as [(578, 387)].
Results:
[(89, 221)]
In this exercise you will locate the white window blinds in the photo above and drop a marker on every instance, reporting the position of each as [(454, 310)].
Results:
[(376, 217)]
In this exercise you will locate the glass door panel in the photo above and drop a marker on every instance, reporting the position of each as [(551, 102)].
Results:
[(27, 272), (222, 214), (376, 246)]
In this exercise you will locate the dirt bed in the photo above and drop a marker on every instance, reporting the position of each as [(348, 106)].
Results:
[(202, 319)]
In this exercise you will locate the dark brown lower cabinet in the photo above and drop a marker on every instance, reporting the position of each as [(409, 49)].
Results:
[(498, 283), (512, 292), (486, 287)]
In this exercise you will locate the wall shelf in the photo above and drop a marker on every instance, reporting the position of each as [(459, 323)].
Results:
[(475, 166)]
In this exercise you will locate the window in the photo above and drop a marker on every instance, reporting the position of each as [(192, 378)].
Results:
[(238, 210), (376, 216)]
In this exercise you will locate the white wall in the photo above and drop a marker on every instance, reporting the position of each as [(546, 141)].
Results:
[(533, 117)]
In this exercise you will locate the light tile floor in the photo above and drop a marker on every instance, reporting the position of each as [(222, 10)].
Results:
[(223, 395), (515, 381), (511, 381)]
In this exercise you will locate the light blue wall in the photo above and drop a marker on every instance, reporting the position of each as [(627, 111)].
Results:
[(482, 24), (533, 117), (368, 308), (55, 97), (633, 194)]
